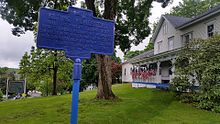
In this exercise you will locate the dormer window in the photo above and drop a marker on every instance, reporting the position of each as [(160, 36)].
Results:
[(210, 30)]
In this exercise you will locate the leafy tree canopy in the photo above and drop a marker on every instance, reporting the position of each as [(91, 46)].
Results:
[(150, 46), (132, 54), (131, 17), (191, 8), (1, 95), (23, 14), (38, 68)]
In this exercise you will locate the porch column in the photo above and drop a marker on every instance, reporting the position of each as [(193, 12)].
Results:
[(158, 68), (147, 69), (158, 80), (148, 65), (173, 67)]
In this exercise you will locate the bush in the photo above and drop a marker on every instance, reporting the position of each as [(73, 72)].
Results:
[(1, 95), (199, 63)]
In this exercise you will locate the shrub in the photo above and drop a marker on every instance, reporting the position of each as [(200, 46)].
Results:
[(199, 63), (1, 95)]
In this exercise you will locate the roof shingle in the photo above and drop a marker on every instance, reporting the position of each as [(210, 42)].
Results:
[(176, 20)]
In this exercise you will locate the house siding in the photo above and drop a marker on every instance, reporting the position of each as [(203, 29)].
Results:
[(127, 77), (200, 29), (164, 38)]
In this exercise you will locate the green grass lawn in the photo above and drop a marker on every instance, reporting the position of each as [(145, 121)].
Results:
[(136, 106)]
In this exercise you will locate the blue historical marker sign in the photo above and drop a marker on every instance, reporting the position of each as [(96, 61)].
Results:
[(79, 34), (76, 32)]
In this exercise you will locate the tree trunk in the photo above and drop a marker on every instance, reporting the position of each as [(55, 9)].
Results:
[(104, 90), (55, 69)]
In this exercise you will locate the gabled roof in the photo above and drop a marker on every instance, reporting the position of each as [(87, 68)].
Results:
[(176, 20)]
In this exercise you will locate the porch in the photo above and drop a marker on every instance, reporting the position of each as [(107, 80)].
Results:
[(153, 71)]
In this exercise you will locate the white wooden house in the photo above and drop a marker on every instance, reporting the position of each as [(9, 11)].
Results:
[(171, 34), (126, 69)]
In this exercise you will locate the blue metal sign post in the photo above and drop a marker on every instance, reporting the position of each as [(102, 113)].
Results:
[(77, 33), (75, 92)]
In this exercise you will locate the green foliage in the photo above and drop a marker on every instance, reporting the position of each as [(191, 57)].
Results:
[(132, 25), (23, 14), (115, 58), (190, 8), (45, 86), (5, 73), (3, 78), (25, 64), (150, 46), (3, 70), (89, 73), (199, 63), (38, 68), (131, 54), (1, 95)]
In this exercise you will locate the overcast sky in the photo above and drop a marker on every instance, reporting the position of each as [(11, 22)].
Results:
[(12, 48)]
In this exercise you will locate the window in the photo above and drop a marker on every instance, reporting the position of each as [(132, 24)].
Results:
[(170, 71), (170, 43), (165, 28), (159, 46), (210, 30), (125, 71), (187, 37)]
